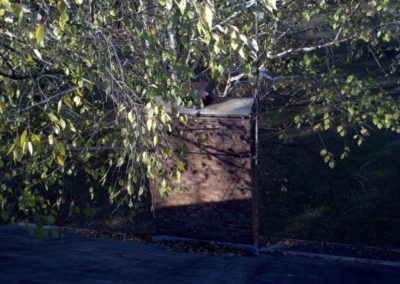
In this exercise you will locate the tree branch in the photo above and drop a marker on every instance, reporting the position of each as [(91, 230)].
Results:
[(52, 97), (15, 76), (307, 49)]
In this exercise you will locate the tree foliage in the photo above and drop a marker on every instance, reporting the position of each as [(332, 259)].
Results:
[(90, 88)]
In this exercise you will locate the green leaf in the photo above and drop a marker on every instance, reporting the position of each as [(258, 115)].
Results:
[(61, 148), (53, 117), (167, 4), (23, 137), (18, 154), (120, 162), (63, 20), (141, 191), (11, 149), (50, 220), (181, 166), (341, 130), (130, 189), (35, 139)]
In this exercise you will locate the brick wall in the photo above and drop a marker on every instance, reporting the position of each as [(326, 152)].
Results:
[(220, 203)]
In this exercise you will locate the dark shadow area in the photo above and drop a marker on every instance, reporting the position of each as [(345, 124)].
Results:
[(357, 202), (225, 221)]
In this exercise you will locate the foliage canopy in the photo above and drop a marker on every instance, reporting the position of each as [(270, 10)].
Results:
[(89, 88)]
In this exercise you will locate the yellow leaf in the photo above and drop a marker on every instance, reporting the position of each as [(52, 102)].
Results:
[(60, 161), (149, 124), (11, 149), (40, 34), (234, 44), (242, 53), (2, 12), (51, 139), (270, 5), (77, 100), (182, 6), (208, 16), (79, 92), (131, 117)]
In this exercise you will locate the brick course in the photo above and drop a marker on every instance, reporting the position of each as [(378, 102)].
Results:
[(221, 201)]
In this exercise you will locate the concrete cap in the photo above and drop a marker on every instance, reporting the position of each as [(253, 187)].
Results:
[(235, 107)]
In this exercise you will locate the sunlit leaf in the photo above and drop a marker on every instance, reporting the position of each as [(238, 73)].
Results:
[(40, 34)]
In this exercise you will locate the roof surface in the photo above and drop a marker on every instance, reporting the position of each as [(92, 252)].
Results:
[(74, 259)]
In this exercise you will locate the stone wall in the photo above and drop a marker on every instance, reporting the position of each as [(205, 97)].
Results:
[(220, 203)]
